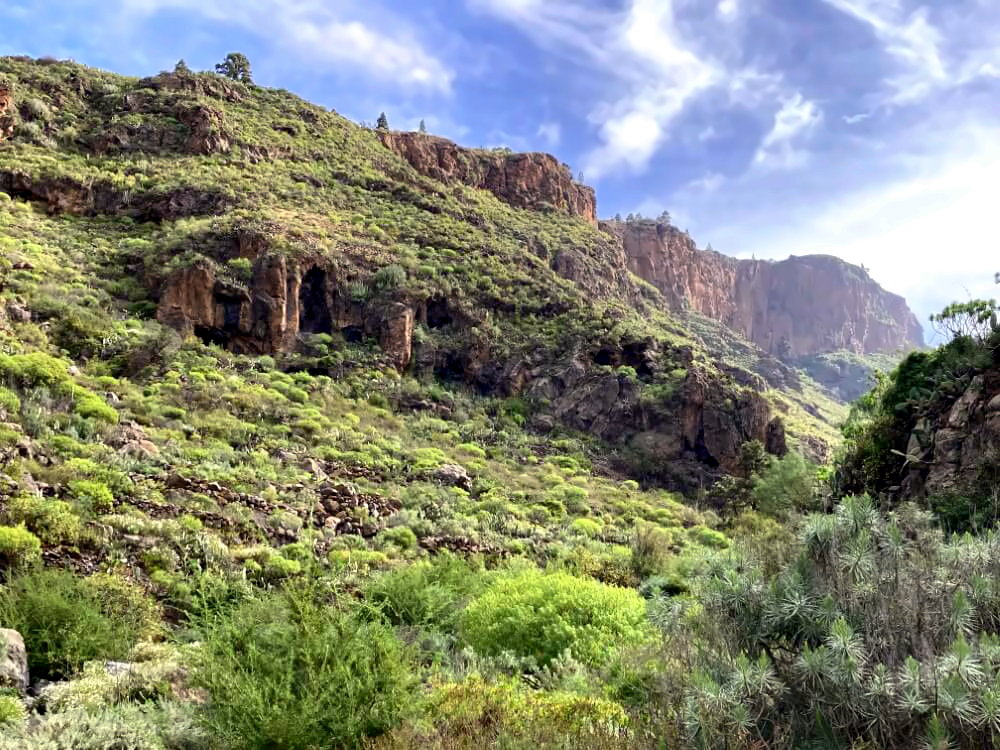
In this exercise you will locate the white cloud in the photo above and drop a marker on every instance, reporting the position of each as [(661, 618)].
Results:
[(653, 65), (315, 31), (857, 118), (929, 57), (549, 132), (922, 219), (796, 118), (709, 183), (727, 9)]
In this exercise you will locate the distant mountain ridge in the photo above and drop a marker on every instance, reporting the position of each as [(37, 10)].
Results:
[(797, 307)]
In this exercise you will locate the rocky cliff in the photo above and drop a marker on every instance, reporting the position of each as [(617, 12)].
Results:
[(792, 308), (954, 449), (535, 181)]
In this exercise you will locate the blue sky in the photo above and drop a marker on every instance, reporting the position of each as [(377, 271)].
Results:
[(866, 129)]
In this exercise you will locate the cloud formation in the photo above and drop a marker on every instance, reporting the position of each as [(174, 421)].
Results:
[(323, 33)]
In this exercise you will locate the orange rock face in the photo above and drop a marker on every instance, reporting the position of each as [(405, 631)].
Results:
[(796, 307), (284, 303), (6, 113), (534, 181)]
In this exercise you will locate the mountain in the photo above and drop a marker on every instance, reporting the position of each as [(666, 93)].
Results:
[(314, 435), (264, 224), (794, 309)]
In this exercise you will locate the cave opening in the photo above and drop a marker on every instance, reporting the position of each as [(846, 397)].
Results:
[(634, 355), (314, 310), (438, 314), (606, 358), (211, 336)]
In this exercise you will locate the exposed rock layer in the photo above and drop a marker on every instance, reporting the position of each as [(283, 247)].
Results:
[(955, 449), (535, 181), (284, 301), (791, 308)]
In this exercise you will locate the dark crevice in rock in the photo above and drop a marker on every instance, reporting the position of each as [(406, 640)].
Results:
[(314, 309)]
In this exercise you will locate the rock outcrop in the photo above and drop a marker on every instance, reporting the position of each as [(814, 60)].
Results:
[(13, 661), (791, 308), (68, 195), (955, 448), (284, 301), (7, 112), (535, 181)]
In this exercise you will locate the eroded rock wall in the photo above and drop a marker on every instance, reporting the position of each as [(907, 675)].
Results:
[(791, 308), (533, 181)]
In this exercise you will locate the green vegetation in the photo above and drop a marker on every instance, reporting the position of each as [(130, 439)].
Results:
[(209, 547), (544, 615)]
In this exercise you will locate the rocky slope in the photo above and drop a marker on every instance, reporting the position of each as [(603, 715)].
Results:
[(793, 308), (535, 181), (250, 220)]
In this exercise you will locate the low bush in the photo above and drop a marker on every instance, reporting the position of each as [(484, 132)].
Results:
[(53, 521), (426, 595), (287, 671), (18, 547), (66, 620), (542, 615), (475, 714)]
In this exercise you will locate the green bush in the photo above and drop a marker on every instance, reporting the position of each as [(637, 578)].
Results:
[(786, 484), (541, 615), (53, 521), (92, 495), (10, 404), (478, 714), (18, 547), (390, 277), (118, 728), (426, 595), (11, 710), (67, 620), (287, 671)]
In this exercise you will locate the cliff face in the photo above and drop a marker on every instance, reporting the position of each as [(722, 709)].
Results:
[(534, 181), (792, 308)]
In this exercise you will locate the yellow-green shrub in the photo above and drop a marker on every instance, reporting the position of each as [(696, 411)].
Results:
[(541, 615)]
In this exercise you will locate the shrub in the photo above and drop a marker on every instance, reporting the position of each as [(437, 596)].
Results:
[(285, 670), (36, 109), (587, 527), (240, 268), (10, 404), (650, 550), (402, 538), (390, 277), (787, 484), (66, 620), (11, 710), (53, 521), (425, 595), (93, 495), (119, 728), (477, 714), (542, 615), (18, 547)]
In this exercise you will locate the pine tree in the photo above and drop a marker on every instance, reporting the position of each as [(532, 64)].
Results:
[(382, 123), (235, 66), (422, 128), (181, 68)]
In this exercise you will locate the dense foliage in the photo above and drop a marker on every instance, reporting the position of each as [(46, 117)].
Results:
[(310, 549)]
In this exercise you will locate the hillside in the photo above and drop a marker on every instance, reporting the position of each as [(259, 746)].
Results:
[(801, 310), (272, 381)]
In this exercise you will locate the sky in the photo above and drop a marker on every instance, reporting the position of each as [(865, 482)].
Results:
[(866, 129)]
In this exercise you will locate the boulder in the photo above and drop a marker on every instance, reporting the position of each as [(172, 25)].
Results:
[(13, 661), (453, 475)]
